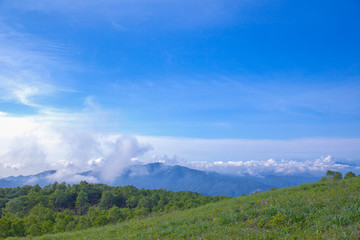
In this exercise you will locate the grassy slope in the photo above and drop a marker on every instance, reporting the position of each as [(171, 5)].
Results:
[(324, 210)]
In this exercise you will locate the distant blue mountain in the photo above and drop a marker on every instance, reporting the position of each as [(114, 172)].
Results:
[(40, 178), (177, 178)]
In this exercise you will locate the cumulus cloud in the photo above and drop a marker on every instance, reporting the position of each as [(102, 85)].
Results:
[(24, 153), (70, 175), (41, 147), (226, 150), (81, 146), (98, 162), (70, 151), (53, 141), (269, 167), (116, 155), (123, 150), (108, 155)]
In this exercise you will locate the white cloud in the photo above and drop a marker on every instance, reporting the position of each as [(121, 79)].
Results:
[(14, 166), (41, 144), (98, 162), (25, 154), (21, 88), (225, 150), (38, 147), (117, 155), (246, 157), (124, 149), (69, 175), (29, 145), (280, 167), (64, 140), (27, 66)]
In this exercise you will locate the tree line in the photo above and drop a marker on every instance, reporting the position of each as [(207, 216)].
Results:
[(58, 207), (335, 175)]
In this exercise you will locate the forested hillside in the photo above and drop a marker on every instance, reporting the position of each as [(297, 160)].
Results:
[(33, 211), (328, 209)]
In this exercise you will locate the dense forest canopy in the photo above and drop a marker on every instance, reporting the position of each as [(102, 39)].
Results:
[(32, 210)]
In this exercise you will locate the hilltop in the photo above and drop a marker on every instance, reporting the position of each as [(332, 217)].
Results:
[(328, 209)]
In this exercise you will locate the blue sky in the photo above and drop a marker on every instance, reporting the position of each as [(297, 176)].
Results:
[(219, 69)]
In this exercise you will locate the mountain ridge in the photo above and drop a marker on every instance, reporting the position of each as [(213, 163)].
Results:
[(175, 178)]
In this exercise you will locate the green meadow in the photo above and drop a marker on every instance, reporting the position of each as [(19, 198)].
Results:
[(328, 209)]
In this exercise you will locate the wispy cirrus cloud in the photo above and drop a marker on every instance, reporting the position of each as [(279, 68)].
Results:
[(28, 66), (23, 90)]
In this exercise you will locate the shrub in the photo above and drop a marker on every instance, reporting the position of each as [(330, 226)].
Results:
[(349, 175), (333, 174)]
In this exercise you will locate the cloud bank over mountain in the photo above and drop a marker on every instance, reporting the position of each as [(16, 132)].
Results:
[(71, 151), (314, 167)]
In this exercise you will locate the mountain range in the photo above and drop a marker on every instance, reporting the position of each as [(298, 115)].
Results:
[(176, 178)]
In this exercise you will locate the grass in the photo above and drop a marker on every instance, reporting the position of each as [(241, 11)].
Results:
[(328, 209)]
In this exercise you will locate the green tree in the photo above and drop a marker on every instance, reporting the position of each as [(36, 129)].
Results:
[(42, 213), (119, 198), (83, 223), (36, 188), (145, 202), (33, 225), (18, 228), (35, 198), (349, 175), (114, 214), (82, 203), (126, 213), (333, 174), (2, 193), (5, 227), (92, 214), (102, 219), (3, 202), (47, 227), (18, 206), (132, 202), (141, 212), (59, 198), (62, 221), (107, 200)]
